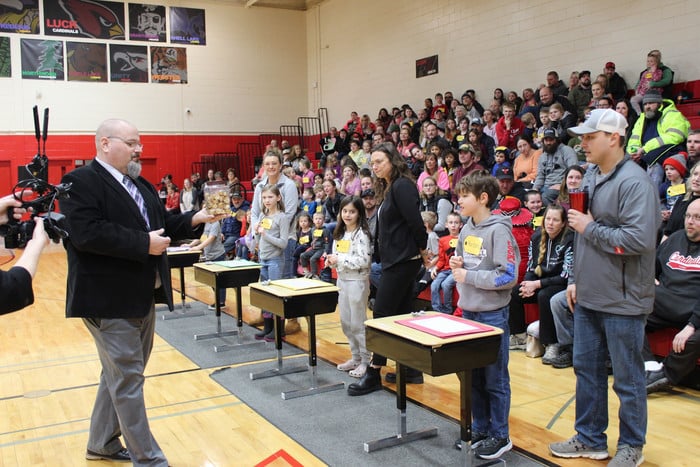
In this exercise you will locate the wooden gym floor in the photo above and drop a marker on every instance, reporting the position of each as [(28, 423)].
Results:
[(49, 371)]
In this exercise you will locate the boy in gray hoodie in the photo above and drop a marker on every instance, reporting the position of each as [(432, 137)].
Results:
[(485, 267)]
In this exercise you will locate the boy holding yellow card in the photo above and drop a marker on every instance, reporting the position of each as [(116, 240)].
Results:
[(485, 268)]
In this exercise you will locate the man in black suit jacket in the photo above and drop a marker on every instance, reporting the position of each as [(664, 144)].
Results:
[(117, 269)]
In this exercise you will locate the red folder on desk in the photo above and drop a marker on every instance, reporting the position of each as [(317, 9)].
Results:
[(444, 326)]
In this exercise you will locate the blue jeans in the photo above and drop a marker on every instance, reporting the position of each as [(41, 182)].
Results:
[(563, 319), (444, 281), (288, 271), (375, 274), (271, 270), (230, 243), (491, 384), (597, 334)]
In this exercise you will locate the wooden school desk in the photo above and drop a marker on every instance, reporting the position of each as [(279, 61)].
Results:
[(435, 356), (296, 298), (227, 274)]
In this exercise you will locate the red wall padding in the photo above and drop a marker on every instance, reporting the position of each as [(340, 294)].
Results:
[(162, 154)]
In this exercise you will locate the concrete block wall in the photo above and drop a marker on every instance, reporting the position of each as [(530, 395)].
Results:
[(363, 52)]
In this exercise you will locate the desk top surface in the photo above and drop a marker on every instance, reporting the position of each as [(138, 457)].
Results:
[(183, 253), (216, 268), (314, 287), (389, 325)]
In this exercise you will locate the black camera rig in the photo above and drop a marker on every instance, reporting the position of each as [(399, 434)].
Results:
[(37, 196)]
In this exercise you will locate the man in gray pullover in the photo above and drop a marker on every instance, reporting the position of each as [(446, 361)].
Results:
[(611, 292)]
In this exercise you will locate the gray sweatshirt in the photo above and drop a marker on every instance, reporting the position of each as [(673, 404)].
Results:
[(491, 258), (274, 241)]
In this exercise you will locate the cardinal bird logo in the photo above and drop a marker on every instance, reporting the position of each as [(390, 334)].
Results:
[(94, 19)]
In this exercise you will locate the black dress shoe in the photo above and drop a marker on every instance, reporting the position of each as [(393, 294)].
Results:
[(120, 456), (412, 377), (657, 381), (370, 382)]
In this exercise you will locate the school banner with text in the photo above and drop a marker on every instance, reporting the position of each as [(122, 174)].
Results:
[(147, 22), (5, 58), (95, 19), (20, 16), (169, 65), (86, 62), (128, 63), (42, 59), (187, 26)]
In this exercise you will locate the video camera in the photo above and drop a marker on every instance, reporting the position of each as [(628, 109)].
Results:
[(37, 196)]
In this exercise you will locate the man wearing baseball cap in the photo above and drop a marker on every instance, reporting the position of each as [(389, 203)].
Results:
[(617, 86), (552, 165), (611, 292), (659, 132)]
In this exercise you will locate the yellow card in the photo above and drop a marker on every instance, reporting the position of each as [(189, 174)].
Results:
[(472, 245), (304, 240), (305, 180), (675, 190), (342, 246), (318, 233), (453, 243), (319, 208), (266, 223), (306, 208), (537, 221)]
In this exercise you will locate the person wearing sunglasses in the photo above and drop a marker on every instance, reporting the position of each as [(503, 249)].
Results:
[(16, 284)]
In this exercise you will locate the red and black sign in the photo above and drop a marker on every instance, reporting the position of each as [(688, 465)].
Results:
[(426, 66), (84, 18)]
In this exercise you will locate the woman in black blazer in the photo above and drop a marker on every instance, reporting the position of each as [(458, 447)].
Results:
[(401, 241)]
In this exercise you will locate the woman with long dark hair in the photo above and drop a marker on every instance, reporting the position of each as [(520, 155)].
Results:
[(401, 241), (550, 261)]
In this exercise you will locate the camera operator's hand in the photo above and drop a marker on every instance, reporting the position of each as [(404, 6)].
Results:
[(7, 202), (158, 244), (30, 257)]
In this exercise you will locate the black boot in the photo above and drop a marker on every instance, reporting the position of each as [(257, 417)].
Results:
[(270, 336), (268, 326), (370, 382), (412, 377)]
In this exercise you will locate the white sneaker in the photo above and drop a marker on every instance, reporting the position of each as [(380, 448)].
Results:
[(359, 372), (349, 365)]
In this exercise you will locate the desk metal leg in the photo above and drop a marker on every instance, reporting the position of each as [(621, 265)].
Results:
[(184, 307), (280, 370), (218, 333), (402, 437), (239, 343), (314, 388)]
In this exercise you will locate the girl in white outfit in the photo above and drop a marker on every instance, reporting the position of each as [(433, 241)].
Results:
[(352, 251)]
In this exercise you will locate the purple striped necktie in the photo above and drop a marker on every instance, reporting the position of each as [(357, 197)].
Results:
[(136, 195)]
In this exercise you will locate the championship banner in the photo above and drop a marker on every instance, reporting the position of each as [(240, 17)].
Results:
[(187, 26), (95, 19), (147, 22), (168, 65), (128, 63), (5, 56), (19, 16), (42, 59), (86, 62)]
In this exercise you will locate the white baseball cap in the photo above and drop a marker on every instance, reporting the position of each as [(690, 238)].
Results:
[(606, 120)]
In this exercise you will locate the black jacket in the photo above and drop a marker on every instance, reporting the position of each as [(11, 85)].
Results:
[(110, 273), (401, 233)]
